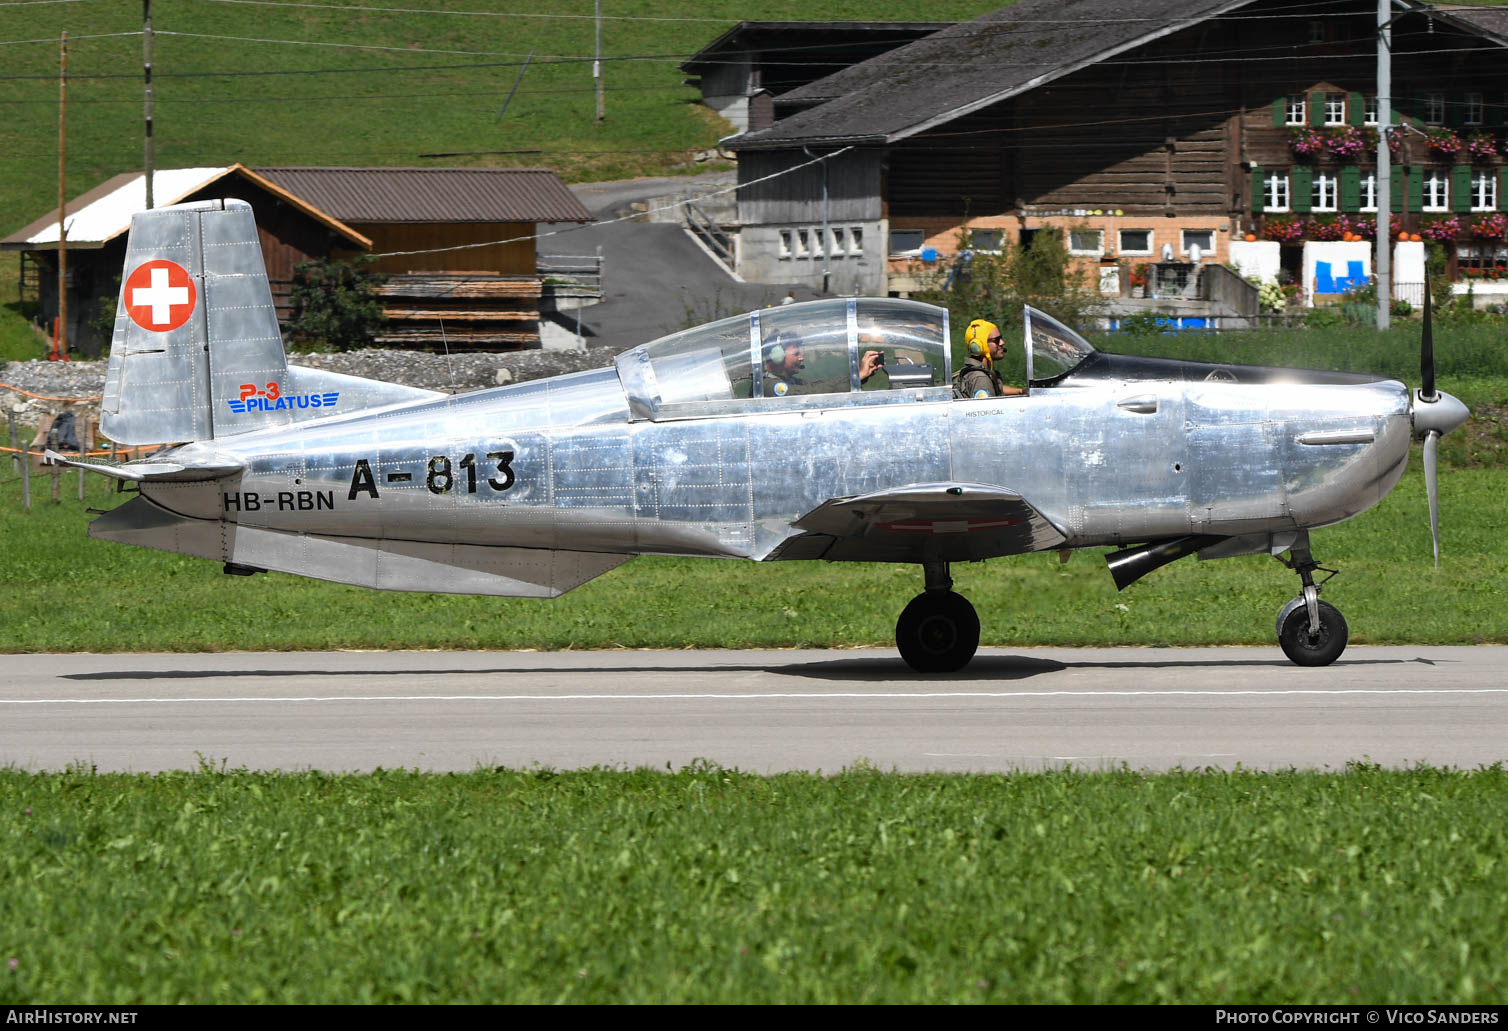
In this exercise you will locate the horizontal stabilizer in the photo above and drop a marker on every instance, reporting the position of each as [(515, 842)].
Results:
[(947, 522), (185, 465), (364, 562)]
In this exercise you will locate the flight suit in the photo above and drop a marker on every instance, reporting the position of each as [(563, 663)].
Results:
[(977, 380)]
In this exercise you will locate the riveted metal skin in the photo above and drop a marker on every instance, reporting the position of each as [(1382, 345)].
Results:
[(748, 438)]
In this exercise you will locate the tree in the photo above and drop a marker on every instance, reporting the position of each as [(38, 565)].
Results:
[(335, 303)]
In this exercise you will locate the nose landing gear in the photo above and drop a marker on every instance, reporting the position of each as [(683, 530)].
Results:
[(1311, 632), (938, 632)]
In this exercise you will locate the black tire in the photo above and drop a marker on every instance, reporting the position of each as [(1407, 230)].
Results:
[(1321, 650), (938, 632)]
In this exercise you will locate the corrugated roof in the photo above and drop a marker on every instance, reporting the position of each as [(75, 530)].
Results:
[(971, 65), (432, 194), (105, 211)]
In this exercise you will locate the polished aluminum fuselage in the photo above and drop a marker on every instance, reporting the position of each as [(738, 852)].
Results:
[(1105, 462)]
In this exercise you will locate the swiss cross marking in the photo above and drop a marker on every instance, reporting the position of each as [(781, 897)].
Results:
[(160, 295)]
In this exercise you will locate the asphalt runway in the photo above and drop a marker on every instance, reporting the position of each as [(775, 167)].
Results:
[(762, 711)]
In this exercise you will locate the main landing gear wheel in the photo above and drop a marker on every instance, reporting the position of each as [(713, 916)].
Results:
[(1312, 649), (938, 632)]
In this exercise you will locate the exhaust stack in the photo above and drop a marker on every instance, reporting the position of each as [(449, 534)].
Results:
[(1131, 564)]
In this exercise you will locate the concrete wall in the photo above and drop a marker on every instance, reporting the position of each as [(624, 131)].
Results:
[(764, 256)]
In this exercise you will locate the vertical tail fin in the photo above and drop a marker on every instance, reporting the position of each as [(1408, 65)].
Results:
[(197, 352), (194, 324)]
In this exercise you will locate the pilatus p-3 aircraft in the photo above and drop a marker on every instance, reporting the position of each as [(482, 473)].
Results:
[(753, 437)]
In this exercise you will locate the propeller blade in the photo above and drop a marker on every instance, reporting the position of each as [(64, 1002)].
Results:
[(1427, 348), (1432, 487)]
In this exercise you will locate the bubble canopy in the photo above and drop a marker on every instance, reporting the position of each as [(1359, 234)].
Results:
[(803, 355)]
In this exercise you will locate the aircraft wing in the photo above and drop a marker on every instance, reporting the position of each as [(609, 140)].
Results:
[(924, 522)]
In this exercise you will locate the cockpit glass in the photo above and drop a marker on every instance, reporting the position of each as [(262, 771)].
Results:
[(803, 349), (708, 363), (1053, 348), (824, 348), (911, 341)]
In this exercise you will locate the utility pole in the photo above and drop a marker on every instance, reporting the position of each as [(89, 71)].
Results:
[(597, 64), (150, 157), (60, 346), (1384, 169)]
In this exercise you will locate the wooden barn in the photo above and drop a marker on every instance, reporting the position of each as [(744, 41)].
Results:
[(488, 296), (1177, 126)]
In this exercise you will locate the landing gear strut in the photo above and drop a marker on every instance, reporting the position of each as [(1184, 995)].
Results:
[(939, 631), (1311, 632)]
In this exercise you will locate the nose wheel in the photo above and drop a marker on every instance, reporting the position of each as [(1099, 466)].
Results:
[(1311, 632), (938, 632)]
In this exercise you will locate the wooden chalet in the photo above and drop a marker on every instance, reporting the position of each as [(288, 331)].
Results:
[(1169, 125), (488, 296), (456, 244)]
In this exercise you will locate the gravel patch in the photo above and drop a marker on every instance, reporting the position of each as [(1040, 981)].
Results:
[(83, 381)]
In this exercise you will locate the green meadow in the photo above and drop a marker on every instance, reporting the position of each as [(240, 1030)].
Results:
[(707, 885)]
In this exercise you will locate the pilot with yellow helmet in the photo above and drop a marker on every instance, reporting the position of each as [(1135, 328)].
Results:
[(978, 377)]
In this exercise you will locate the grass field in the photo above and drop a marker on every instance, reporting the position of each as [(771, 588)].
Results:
[(60, 591), (708, 885)]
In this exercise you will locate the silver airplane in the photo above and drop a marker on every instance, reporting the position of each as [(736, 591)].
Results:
[(753, 437)]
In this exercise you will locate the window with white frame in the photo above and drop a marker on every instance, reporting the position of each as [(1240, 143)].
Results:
[(1475, 109), (1316, 31), (1369, 191), (1136, 241), (1298, 109), (839, 244), (1324, 194), (906, 242), (1335, 109), (1484, 190), (803, 243), (1204, 239), (1437, 190), (1086, 242), (1275, 195), (1434, 108), (856, 242), (1369, 112), (786, 243)]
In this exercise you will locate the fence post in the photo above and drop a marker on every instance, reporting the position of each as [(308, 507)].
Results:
[(26, 478), (15, 441), (57, 476)]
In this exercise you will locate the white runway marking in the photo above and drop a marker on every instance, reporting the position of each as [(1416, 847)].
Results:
[(1207, 695)]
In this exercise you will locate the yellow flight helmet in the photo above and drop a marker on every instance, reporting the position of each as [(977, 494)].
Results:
[(977, 339)]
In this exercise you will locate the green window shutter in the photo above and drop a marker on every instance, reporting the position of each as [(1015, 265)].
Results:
[(1258, 189), (1280, 112), (1316, 109), (1350, 188), (1395, 189), (1460, 188), (1503, 188), (1358, 109), (1303, 183), (1416, 188)]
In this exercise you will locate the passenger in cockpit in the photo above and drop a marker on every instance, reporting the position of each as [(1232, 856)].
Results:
[(978, 377), (783, 361)]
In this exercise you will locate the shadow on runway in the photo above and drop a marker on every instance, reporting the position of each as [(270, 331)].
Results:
[(861, 670)]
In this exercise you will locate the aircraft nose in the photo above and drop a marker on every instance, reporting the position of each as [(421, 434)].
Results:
[(1441, 414)]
